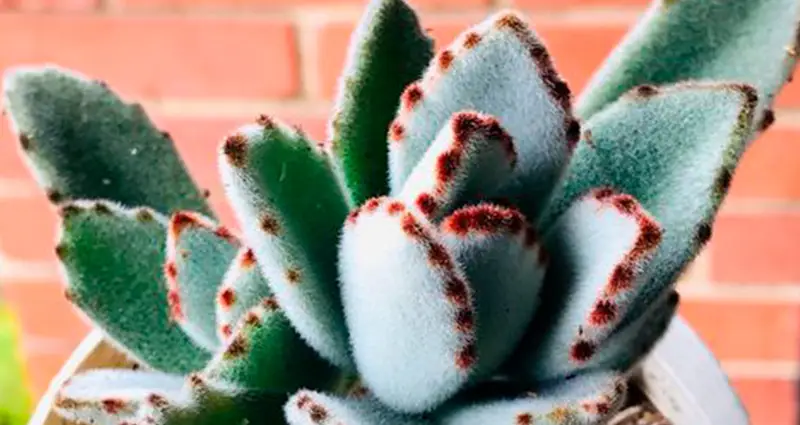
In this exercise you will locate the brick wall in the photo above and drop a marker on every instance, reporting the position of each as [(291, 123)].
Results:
[(202, 67)]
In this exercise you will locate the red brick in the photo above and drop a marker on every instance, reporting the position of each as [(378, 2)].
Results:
[(759, 248), (746, 330), (770, 168), (182, 5), (571, 4), (51, 5), (28, 228), (155, 57), (790, 93), (769, 401), (44, 312), (45, 368), (593, 42)]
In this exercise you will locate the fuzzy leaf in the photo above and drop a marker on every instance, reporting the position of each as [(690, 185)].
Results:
[(502, 69), (387, 52), (752, 42), (291, 210), (243, 287), (601, 249), (674, 149), (589, 399), (408, 307), (206, 402), (314, 408), (198, 253), (113, 261), (111, 396), (266, 354), (504, 263), (631, 343), (471, 158), (84, 142)]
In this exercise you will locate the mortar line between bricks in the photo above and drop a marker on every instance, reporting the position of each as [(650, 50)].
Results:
[(761, 369), (778, 293), (606, 14)]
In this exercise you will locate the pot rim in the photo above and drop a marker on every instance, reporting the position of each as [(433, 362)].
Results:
[(696, 392)]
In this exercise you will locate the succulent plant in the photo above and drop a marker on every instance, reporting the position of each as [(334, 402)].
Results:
[(503, 260)]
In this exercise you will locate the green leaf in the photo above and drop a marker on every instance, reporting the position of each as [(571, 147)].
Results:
[(291, 210), (84, 142), (744, 41), (601, 250), (243, 287), (199, 253), (315, 408), (674, 149), (113, 260), (266, 354), (15, 402), (387, 52), (499, 68)]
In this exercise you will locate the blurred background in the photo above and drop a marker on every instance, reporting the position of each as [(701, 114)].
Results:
[(203, 67)]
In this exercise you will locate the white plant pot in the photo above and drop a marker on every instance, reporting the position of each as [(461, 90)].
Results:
[(680, 377)]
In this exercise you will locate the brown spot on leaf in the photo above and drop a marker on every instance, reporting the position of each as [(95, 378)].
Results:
[(372, 204), (265, 121), (180, 221), (252, 319), (767, 120), (645, 91), (603, 313), (54, 196), (465, 320), (649, 237), (227, 297), (224, 233), (445, 60), (396, 131), (113, 406), (625, 204), (438, 257), (226, 331), (303, 401), (293, 275), (171, 270), (456, 291), (511, 21), (446, 167), (466, 357), (411, 228), (524, 419), (157, 401), (395, 208), (25, 141), (317, 413), (101, 208), (471, 40), (411, 96), (206, 193), (581, 351), (248, 259), (484, 218), (426, 203), (270, 225), (573, 134), (144, 215), (704, 233), (723, 182), (236, 348), (61, 250), (174, 302), (65, 211), (604, 193), (353, 216), (621, 278), (270, 303), (235, 149)]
